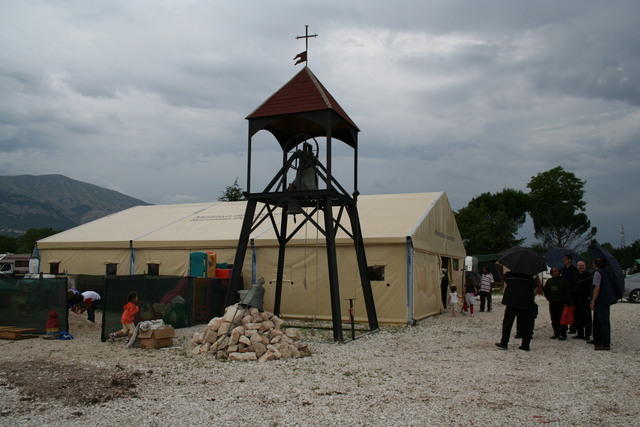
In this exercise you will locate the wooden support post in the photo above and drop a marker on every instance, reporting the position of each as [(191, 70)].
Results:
[(282, 240), (236, 275), (358, 242), (329, 155), (249, 166), (284, 170), (355, 172), (332, 260)]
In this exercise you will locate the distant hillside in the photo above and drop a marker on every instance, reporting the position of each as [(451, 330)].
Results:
[(34, 201)]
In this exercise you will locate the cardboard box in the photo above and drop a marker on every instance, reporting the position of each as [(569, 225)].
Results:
[(157, 338)]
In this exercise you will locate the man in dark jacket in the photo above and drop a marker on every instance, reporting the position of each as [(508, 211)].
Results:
[(581, 297), (558, 292), (519, 298), (444, 286), (604, 295), (569, 271)]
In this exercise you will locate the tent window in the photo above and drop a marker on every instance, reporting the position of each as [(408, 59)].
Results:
[(153, 269), (54, 268), (456, 264), (376, 273), (112, 269)]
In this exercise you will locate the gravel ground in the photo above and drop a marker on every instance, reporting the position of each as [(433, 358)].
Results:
[(444, 371)]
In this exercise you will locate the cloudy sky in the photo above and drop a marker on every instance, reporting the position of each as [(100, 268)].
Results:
[(149, 97)]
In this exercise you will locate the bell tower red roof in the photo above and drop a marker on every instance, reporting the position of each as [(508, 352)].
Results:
[(303, 93)]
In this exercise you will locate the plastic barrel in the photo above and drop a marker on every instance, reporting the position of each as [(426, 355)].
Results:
[(197, 264), (211, 264)]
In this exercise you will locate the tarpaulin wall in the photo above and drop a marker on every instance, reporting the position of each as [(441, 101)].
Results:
[(305, 289), (85, 261), (175, 262), (437, 232), (26, 303), (92, 262), (427, 300)]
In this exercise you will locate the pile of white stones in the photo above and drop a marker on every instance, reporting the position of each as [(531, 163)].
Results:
[(248, 334)]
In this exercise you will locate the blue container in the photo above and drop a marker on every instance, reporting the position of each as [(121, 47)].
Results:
[(198, 264)]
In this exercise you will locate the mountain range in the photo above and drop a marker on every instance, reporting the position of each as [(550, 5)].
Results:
[(56, 201)]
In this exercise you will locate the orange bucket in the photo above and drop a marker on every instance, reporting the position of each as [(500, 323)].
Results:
[(223, 273)]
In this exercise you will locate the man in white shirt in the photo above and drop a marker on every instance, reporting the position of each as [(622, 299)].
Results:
[(89, 301), (486, 284)]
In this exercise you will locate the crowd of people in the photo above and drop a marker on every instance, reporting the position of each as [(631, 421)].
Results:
[(573, 294), (579, 302), (483, 287)]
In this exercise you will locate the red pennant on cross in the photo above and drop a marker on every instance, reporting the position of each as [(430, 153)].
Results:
[(301, 57)]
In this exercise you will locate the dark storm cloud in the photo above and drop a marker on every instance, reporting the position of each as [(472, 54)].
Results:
[(460, 96), (595, 58)]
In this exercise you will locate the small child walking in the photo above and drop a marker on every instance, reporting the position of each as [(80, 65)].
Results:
[(453, 300), (469, 295), (130, 309)]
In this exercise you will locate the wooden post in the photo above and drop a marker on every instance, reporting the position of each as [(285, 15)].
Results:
[(332, 260)]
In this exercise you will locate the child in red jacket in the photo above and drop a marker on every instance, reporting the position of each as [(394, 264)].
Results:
[(128, 317)]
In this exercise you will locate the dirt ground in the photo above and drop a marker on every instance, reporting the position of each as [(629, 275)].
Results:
[(443, 371), (41, 380)]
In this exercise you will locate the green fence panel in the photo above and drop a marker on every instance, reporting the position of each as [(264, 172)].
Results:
[(159, 297), (26, 303), (85, 282)]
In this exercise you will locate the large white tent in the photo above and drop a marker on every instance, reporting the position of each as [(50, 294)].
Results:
[(407, 238)]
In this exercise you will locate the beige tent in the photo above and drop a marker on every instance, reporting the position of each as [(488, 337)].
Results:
[(407, 237)]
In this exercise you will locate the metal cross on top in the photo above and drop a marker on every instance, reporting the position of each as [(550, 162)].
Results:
[(302, 56)]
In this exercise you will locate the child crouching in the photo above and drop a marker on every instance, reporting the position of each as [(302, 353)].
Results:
[(128, 317)]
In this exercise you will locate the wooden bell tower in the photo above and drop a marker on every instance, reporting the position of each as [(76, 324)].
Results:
[(298, 113)]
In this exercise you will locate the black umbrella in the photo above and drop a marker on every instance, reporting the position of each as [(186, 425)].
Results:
[(523, 260), (612, 268), (554, 256)]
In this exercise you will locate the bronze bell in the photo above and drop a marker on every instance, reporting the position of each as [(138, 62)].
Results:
[(306, 176)]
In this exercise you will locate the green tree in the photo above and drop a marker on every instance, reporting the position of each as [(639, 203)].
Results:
[(28, 240), (8, 244), (232, 193), (490, 222), (558, 209)]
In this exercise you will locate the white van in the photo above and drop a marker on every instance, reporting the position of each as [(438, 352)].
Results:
[(14, 265)]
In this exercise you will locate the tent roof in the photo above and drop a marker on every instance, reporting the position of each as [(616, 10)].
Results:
[(303, 93), (387, 218)]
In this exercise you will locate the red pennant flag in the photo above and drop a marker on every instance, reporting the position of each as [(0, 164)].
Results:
[(301, 57)]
